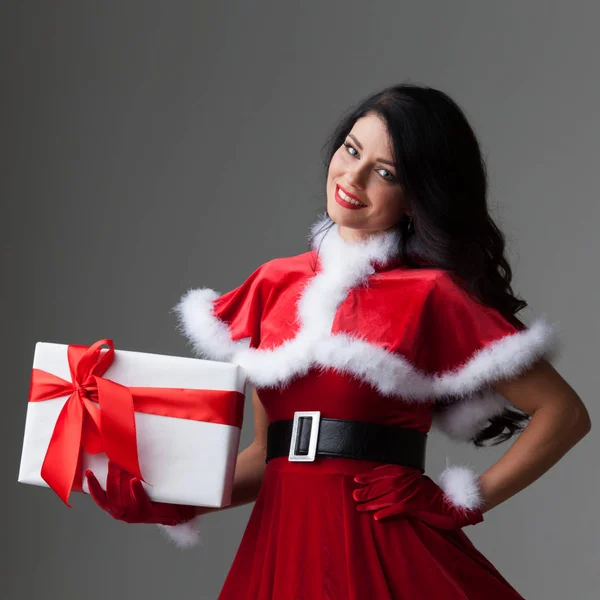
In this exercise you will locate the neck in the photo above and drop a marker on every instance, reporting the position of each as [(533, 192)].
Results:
[(350, 235), (329, 240)]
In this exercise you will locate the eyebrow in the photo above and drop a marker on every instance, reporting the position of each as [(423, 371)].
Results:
[(387, 162)]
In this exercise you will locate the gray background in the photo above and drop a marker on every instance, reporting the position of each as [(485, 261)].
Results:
[(151, 147)]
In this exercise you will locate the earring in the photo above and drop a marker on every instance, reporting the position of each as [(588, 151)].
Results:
[(411, 225)]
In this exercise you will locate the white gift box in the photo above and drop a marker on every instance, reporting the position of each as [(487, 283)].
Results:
[(185, 461)]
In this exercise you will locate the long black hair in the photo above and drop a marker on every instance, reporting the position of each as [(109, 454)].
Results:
[(442, 172)]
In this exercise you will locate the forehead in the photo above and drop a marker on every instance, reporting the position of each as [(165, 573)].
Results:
[(371, 131)]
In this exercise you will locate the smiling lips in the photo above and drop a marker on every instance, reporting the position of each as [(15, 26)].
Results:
[(347, 200)]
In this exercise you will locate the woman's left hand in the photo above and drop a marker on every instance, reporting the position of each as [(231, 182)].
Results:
[(393, 490)]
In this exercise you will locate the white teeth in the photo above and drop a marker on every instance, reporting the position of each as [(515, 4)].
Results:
[(348, 199)]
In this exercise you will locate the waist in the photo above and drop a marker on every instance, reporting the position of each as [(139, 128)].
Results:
[(310, 441)]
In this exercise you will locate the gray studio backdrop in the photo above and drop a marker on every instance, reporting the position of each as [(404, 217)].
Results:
[(151, 147)]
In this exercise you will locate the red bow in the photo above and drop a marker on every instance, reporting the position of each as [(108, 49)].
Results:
[(109, 427)]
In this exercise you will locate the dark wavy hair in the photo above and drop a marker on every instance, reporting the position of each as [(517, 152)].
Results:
[(442, 172)]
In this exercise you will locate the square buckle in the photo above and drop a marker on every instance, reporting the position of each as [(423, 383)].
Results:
[(314, 434)]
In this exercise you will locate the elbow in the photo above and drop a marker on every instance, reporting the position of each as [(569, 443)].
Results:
[(582, 422), (583, 418), (586, 424), (572, 417), (579, 416)]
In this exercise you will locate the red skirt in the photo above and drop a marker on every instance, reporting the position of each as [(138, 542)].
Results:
[(305, 540)]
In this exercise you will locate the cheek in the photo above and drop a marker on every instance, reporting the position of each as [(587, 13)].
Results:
[(335, 166), (390, 203)]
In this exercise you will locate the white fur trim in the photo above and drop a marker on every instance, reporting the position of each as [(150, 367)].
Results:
[(210, 337), (461, 486), (346, 265), (184, 535), (464, 418)]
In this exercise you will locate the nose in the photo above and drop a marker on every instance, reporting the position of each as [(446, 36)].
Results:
[(357, 176)]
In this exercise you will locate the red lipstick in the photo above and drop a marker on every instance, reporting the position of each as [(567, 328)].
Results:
[(343, 202)]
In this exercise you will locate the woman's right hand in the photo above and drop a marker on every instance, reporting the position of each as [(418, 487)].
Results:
[(126, 499)]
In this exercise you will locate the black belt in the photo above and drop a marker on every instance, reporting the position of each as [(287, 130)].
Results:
[(314, 437)]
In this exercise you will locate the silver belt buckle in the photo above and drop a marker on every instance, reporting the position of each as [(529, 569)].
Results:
[(314, 434)]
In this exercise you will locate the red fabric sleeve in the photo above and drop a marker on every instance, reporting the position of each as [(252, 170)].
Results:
[(242, 308), (459, 326)]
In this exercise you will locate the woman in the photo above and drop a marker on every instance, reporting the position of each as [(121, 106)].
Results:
[(400, 317)]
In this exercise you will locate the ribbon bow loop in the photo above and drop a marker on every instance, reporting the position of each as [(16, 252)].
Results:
[(87, 362), (107, 426)]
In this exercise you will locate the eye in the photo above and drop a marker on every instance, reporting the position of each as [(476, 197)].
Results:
[(391, 176), (350, 147)]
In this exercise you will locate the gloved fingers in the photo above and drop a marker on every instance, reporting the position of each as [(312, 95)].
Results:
[(113, 482), (117, 489), (139, 497), (437, 514), (128, 502), (431, 518), (387, 510), (378, 488), (387, 470), (395, 510), (96, 491), (378, 503)]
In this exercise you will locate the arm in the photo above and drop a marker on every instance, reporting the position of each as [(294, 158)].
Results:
[(559, 421), (250, 466)]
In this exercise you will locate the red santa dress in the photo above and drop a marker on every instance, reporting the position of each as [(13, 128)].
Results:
[(346, 329)]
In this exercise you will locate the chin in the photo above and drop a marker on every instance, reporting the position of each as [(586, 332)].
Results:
[(338, 214), (345, 218)]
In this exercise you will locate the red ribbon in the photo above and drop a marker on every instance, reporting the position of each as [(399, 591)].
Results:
[(99, 416)]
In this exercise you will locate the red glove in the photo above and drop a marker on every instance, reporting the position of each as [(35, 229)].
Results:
[(394, 490), (125, 499)]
